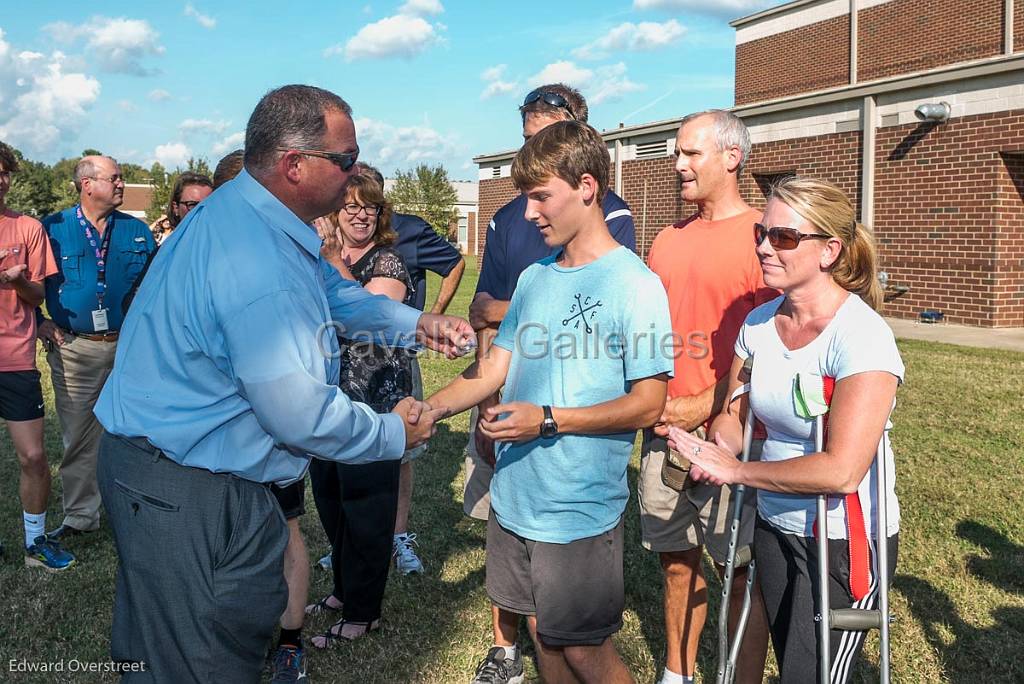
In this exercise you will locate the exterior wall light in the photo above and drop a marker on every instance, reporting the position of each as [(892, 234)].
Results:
[(935, 112)]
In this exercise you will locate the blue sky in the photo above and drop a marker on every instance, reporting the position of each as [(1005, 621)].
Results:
[(429, 80)]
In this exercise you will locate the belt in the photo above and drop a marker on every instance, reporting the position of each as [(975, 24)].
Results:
[(98, 337)]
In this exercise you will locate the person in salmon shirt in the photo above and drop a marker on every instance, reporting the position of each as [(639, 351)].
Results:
[(711, 274), (25, 261)]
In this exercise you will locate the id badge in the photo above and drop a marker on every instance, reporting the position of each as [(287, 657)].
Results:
[(99, 320)]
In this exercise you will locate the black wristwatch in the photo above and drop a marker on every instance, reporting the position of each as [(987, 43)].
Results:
[(548, 426)]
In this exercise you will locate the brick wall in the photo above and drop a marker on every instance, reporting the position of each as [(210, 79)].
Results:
[(1008, 307), (1018, 26), (948, 216), (912, 35), (835, 158), (651, 188), (471, 237), (494, 194), (797, 61)]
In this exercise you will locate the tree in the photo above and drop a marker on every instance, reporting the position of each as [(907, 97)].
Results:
[(426, 192), (163, 184)]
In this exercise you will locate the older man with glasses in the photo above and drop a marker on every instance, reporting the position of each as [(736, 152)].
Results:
[(100, 253)]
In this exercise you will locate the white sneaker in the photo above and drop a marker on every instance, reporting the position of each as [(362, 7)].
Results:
[(406, 560)]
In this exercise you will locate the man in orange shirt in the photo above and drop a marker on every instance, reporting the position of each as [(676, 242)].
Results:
[(25, 261), (713, 279)]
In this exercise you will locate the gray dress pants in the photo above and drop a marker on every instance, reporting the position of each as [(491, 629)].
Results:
[(200, 582)]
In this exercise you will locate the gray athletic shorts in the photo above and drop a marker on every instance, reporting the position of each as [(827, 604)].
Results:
[(575, 589)]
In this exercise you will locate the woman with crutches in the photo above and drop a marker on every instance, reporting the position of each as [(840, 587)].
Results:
[(818, 348)]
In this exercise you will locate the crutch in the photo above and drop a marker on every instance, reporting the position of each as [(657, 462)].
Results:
[(851, 619), (728, 653)]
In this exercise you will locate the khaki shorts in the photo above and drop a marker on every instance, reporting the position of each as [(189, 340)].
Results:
[(476, 497), (699, 516), (417, 393)]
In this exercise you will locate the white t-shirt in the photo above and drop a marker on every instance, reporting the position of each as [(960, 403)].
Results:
[(856, 340)]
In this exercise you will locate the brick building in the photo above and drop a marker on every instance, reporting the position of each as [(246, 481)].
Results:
[(829, 89)]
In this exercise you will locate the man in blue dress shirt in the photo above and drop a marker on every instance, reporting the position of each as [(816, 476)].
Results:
[(100, 253), (225, 382)]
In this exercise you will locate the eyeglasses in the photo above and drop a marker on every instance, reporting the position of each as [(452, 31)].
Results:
[(353, 209), (113, 180), (553, 99), (343, 160), (783, 238), (189, 206)]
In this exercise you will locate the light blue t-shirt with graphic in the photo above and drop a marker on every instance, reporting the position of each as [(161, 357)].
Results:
[(578, 337)]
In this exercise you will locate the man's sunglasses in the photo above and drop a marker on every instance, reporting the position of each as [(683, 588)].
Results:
[(343, 160), (553, 99), (783, 238)]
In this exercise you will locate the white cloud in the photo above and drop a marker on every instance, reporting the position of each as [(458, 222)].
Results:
[(388, 146), (498, 88), (422, 8), (729, 8), (495, 84), (126, 105), (336, 49), (42, 106), (204, 20), (398, 36), (118, 45), (172, 155), (232, 142), (159, 95), (203, 126), (494, 73), (603, 84), (630, 37)]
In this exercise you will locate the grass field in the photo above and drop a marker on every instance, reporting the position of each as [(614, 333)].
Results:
[(959, 589)]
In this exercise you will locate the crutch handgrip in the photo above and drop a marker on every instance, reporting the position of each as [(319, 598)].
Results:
[(743, 557), (855, 620)]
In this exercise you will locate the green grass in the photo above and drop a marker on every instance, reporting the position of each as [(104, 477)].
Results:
[(959, 589)]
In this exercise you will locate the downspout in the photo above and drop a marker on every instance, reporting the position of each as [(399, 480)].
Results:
[(867, 162), (853, 41), (1008, 27), (618, 165)]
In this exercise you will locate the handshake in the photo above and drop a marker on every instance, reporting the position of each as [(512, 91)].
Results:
[(420, 420)]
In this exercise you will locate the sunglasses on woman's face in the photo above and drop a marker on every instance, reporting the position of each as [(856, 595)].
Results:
[(783, 238)]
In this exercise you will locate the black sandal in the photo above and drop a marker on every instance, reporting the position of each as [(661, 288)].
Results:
[(322, 607), (332, 636)]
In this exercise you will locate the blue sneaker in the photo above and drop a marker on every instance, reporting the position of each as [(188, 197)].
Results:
[(48, 554), (289, 665)]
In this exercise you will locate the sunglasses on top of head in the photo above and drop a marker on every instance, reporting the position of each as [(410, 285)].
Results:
[(343, 160), (550, 98), (782, 238)]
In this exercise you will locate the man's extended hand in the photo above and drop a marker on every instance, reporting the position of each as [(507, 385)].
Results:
[(520, 424), (485, 311), (682, 412), (50, 334), (419, 420), (450, 335), (13, 274)]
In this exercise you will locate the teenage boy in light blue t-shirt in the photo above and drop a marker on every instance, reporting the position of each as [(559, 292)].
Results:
[(584, 353)]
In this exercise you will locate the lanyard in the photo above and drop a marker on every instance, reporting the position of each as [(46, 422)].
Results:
[(100, 248)]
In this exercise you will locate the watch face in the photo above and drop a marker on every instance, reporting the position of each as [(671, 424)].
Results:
[(548, 429)]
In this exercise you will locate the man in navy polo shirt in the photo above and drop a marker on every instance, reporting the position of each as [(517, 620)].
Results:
[(513, 244), (100, 253), (422, 250)]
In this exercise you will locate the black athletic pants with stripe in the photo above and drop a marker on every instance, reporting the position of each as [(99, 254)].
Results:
[(787, 568)]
